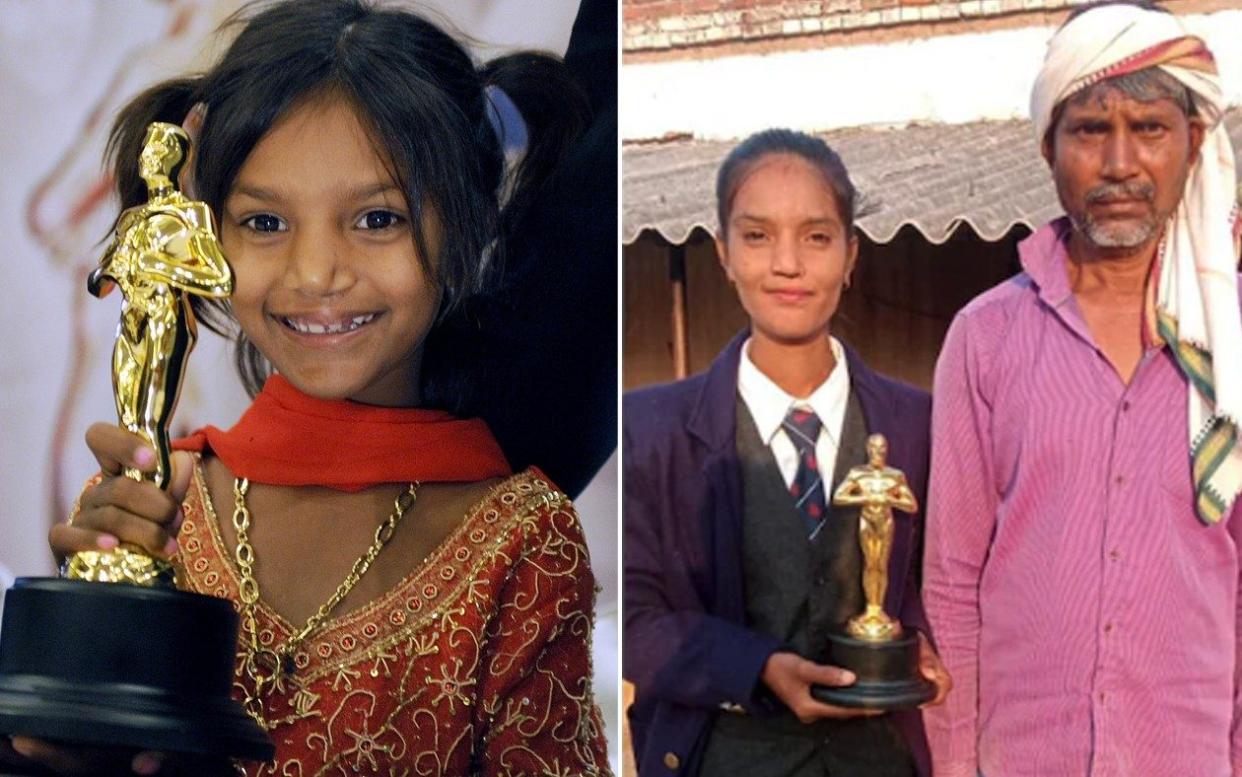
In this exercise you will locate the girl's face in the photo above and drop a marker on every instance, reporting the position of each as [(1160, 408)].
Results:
[(786, 249), (329, 285)]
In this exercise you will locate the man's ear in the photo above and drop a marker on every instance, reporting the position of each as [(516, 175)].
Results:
[(1046, 149)]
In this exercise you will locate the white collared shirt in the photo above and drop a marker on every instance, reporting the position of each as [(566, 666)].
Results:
[(768, 404)]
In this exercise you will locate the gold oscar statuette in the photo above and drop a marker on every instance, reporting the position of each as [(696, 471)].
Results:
[(877, 489), (163, 252), (141, 665), (882, 653)]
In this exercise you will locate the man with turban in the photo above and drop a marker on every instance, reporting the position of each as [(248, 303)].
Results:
[(1084, 532)]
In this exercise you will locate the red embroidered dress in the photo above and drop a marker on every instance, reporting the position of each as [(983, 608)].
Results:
[(478, 662)]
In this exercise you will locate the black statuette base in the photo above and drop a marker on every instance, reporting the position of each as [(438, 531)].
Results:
[(119, 665), (887, 673)]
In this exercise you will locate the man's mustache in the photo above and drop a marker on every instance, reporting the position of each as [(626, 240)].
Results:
[(1126, 190)]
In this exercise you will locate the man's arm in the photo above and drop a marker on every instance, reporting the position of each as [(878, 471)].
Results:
[(961, 513), (1235, 530), (1235, 739)]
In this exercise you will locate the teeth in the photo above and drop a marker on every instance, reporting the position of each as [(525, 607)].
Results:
[(310, 327)]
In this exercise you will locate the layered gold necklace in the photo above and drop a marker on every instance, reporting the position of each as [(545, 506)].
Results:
[(265, 667)]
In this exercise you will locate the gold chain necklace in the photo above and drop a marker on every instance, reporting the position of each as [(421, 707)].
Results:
[(267, 667)]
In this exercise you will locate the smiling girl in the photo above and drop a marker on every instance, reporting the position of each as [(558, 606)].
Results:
[(406, 601)]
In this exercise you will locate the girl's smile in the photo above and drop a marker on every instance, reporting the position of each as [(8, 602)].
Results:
[(330, 286), (321, 330)]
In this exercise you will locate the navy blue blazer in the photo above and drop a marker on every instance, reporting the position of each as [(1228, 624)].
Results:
[(687, 648)]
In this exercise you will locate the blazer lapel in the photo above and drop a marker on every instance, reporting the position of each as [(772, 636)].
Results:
[(713, 426), (852, 452)]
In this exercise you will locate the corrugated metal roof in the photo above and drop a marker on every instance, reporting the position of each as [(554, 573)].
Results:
[(988, 174)]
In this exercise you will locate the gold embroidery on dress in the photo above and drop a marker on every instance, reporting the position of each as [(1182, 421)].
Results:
[(415, 676), (381, 663)]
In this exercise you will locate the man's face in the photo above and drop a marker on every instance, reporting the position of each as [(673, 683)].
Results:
[(1120, 165)]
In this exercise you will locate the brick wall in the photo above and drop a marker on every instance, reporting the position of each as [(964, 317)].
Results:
[(652, 27)]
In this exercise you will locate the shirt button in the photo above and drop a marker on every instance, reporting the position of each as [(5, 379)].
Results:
[(671, 761), (1108, 629), (1119, 479), (1114, 555), (820, 580), (1125, 406)]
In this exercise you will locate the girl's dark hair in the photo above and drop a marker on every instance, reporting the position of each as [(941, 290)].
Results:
[(426, 104), (814, 151)]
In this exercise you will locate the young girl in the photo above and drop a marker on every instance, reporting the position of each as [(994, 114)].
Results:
[(737, 565), (408, 605)]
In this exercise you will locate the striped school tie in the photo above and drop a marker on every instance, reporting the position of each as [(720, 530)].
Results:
[(807, 488)]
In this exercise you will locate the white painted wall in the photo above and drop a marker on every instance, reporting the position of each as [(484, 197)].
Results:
[(951, 79)]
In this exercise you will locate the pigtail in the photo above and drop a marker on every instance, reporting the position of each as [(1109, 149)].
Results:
[(555, 111)]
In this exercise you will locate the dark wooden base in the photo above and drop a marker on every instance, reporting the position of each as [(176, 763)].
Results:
[(115, 664), (888, 676)]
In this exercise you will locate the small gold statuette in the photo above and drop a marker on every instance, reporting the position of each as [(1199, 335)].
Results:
[(878, 489), (882, 654), (163, 252)]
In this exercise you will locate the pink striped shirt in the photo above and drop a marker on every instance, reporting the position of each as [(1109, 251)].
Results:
[(1088, 618)]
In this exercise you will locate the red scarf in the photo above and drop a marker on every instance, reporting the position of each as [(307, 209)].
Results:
[(286, 438)]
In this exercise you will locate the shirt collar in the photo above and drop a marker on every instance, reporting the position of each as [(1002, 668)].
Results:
[(769, 403), (1045, 258)]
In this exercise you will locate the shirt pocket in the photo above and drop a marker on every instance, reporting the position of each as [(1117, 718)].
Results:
[(1200, 552), (1177, 483)]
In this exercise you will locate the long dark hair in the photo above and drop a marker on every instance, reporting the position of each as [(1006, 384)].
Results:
[(424, 101)]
